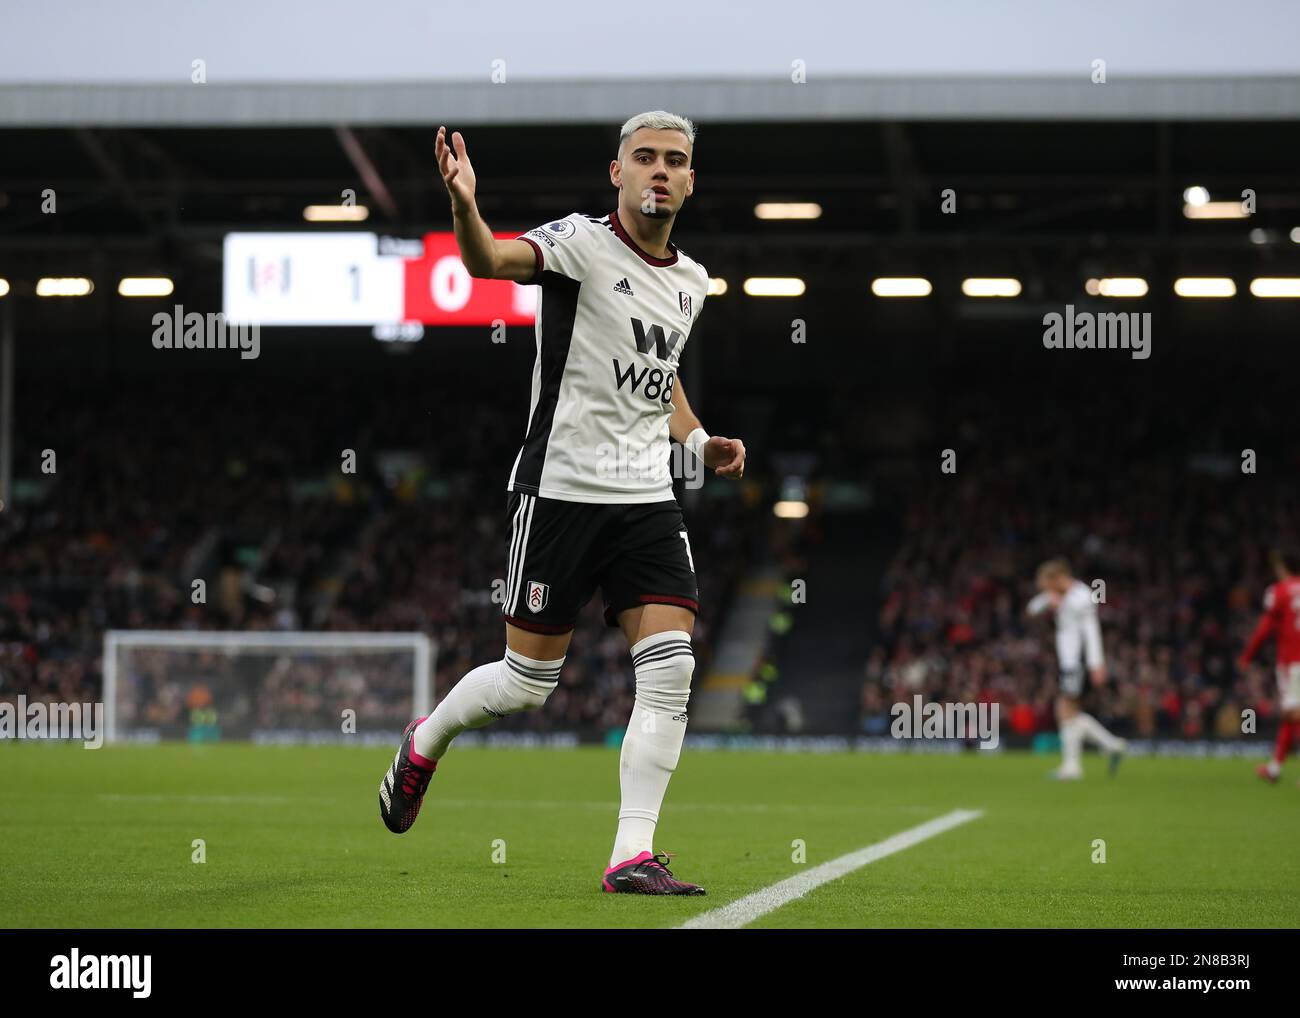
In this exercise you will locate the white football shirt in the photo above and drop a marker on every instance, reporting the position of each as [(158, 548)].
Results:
[(1078, 631), (612, 322)]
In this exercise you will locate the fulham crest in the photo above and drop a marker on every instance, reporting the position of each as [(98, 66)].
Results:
[(537, 595), (685, 299)]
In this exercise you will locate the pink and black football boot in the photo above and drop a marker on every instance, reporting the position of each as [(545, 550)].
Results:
[(402, 790), (645, 874)]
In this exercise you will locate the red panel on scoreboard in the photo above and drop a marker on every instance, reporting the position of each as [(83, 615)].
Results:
[(439, 291)]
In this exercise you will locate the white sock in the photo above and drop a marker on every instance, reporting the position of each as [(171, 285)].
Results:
[(1071, 744), (484, 694), (664, 664), (1093, 729)]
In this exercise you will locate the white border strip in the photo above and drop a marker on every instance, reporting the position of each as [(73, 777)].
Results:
[(745, 910)]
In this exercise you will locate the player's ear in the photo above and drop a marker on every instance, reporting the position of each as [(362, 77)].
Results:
[(615, 174), (690, 182)]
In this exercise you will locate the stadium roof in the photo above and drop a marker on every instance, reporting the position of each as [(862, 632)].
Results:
[(1017, 184), (833, 98)]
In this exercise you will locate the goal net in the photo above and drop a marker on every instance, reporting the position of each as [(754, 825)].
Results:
[(264, 686)]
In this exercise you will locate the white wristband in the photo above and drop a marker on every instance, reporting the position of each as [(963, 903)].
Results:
[(695, 442)]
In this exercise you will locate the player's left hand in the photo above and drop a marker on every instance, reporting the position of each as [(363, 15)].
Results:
[(726, 456), (1098, 676)]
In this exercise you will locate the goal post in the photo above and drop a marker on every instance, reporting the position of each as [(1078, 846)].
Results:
[(264, 686)]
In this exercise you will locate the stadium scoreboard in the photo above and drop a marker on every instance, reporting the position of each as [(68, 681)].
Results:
[(354, 278)]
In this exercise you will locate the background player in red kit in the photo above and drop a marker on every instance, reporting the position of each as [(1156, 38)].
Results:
[(1281, 618)]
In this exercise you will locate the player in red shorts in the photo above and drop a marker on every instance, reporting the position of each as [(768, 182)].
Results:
[(1281, 618)]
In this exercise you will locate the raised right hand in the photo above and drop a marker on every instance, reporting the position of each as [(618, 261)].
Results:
[(457, 171)]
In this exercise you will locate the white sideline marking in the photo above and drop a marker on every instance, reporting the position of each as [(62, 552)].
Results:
[(608, 805), (752, 906), (228, 800)]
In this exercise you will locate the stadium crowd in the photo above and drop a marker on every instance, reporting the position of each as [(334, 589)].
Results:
[(283, 538), (1172, 536), (259, 508)]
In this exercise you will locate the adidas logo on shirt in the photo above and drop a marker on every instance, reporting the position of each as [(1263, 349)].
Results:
[(622, 286)]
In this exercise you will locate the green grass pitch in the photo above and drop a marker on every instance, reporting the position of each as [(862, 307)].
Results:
[(103, 838)]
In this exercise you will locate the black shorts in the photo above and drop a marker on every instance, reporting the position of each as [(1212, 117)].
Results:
[(1071, 683), (560, 552)]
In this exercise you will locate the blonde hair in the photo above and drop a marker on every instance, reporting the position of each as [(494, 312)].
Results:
[(1054, 567), (656, 120)]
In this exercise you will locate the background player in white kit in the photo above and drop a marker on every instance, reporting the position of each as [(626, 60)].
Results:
[(1078, 642), (617, 304)]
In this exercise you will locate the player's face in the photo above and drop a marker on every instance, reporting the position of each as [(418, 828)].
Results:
[(655, 172), (1053, 583)]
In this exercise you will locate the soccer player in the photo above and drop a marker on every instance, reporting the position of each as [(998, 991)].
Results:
[(1281, 618), (1078, 636), (590, 494)]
